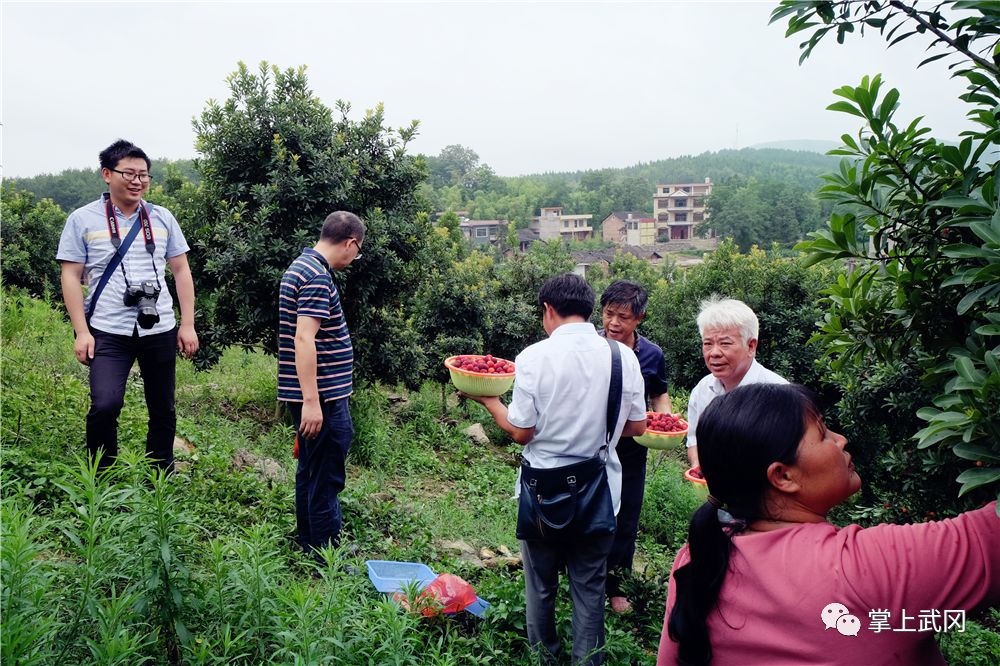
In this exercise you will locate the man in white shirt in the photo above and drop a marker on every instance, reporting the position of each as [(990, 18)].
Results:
[(559, 412), (729, 330), (132, 319)]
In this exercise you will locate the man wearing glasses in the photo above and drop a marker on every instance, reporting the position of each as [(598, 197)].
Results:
[(120, 245), (315, 371)]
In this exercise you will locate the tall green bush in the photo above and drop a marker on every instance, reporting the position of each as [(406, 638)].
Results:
[(29, 237), (919, 222), (515, 315), (275, 161)]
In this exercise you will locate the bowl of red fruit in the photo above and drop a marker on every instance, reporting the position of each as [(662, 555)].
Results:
[(480, 375), (663, 431), (697, 480)]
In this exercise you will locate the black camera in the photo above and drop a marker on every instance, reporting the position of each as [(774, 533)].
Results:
[(144, 296)]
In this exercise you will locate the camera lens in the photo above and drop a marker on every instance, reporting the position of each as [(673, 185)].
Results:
[(148, 316), (144, 296)]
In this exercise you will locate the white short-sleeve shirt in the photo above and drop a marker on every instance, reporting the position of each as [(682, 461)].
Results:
[(561, 389), (86, 240), (709, 388)]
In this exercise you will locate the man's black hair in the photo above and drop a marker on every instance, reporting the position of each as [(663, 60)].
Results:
[(119, 150), (341, 225), (626, 292), (568, 294)]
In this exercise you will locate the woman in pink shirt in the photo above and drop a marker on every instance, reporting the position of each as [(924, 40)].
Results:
[(765, 579)]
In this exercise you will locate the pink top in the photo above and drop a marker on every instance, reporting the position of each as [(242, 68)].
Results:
[(773, 607)]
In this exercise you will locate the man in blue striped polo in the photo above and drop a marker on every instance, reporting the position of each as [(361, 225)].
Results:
[(120, 245), (315, 368)]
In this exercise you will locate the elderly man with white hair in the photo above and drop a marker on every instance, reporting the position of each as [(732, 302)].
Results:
[(728, 330)]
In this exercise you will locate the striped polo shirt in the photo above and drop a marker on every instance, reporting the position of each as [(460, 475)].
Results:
[(307, 290), (86, 240)]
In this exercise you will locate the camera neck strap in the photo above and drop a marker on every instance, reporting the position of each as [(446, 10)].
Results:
[(147, 235), (147, 226), (121, 247)]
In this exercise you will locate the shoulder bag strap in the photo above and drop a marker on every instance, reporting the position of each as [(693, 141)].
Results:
[(113, 264), (614, 391)]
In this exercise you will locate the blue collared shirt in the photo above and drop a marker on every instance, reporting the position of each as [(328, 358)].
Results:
[(652, 363), (307, 290), (86, 240)]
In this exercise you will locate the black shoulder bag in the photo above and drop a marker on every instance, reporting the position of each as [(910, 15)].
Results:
[(572, 500)]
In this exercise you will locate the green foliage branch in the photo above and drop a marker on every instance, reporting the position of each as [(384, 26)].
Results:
[(29, 237), (918, 221)]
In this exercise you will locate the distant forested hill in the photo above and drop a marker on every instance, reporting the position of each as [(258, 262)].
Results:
[(764, 178), (809, 145), (802, 167), (72, 188), (761, 195)]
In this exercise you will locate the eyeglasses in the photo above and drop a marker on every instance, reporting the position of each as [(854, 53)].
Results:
[(358, 255), (129, 176)]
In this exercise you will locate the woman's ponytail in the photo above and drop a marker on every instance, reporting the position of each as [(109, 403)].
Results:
[(698, 585)]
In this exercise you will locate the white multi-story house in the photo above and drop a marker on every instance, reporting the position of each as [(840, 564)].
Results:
[(679, 207), (552, 223)]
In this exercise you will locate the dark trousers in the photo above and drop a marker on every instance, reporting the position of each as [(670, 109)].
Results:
[(321, 475), (585, 562), (633, 460), (114, 356)]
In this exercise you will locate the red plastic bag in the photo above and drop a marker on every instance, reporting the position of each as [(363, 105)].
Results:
[(295, 449), (445, 594)]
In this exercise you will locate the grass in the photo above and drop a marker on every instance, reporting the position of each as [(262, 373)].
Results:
[(201, 567)]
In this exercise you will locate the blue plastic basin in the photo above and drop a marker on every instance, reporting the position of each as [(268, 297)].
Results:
[(388, 576)]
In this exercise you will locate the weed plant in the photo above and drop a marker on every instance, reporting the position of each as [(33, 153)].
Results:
[(669, 501), (130, 567)]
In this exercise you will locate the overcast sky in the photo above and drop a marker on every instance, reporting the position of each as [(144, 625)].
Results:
[(531, 87)]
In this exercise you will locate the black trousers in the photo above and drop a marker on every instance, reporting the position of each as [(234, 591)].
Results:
[(584, 561), (633, 460), (321, 475), (114, 356)]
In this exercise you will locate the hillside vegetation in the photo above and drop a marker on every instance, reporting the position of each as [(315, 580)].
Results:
[(201, 567), (891, 312)]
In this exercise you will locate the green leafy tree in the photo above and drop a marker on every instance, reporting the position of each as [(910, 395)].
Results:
[(755, 212), (452, 165), (29, 237), (451, 310), (511, 240), (275, 162), (515, 313), (482, 179), (918, 221), (450, 222)]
